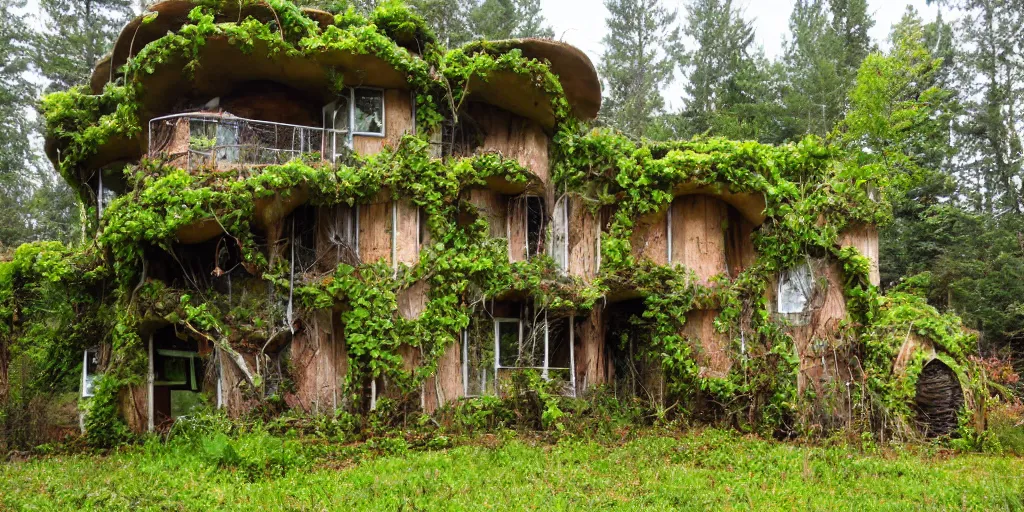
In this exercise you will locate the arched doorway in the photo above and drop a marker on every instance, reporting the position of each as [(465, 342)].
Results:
[(939, 399)]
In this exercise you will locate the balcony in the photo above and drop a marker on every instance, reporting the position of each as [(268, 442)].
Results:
[(223, 142)]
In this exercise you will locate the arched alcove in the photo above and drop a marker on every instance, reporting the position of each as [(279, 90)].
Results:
[(938, 400)]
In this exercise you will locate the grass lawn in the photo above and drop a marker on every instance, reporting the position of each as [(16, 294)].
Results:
[(700, 470)]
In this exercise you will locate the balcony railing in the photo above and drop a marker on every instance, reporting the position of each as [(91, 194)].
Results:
[(222, 141)]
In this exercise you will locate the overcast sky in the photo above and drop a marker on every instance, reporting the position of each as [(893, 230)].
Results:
[(581, 24)]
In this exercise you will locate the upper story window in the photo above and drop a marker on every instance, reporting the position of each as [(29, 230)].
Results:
[(535, 224), (368, 114), (357, 111), (559, 247)]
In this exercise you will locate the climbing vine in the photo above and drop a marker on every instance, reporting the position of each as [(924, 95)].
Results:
[(812, 193)]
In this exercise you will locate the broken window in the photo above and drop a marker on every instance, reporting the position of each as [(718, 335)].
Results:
[(368, 115), (337, 236), (336, 122), (533, 341), (534, 225), (796, 288), (516, 337), (215, 139), (177, 377), (90, 365), (358, 111)]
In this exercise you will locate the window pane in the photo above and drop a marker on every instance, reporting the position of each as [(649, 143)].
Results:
[(531, 350), (534, 225), (227, 142), (369, 111), (796, 286), (92, 364), (341, 115), (508, 343), (173, 372)]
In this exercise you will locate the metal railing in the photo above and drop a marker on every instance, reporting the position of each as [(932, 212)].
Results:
[(196, 140)]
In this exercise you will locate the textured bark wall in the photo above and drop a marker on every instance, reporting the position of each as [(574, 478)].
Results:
[(319, 364), (699, 243), (407, 250), (816, 332), (134, 404), (864, 238), (446, 385), (375, 230), (698, 238), (649, 238), (938, 399), (513, 137), (493, 207), (232, 379), (584, 240), (398, 121), (517, 229), (593, 364)]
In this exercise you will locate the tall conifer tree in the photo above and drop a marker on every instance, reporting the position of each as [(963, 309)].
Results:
[(637, 63)]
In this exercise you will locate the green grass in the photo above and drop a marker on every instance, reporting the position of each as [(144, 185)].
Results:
[(706, 470)]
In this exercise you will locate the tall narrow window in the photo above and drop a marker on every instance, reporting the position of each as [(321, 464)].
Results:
[(422, 229), (336, 123), (342, 224), (560, 234), (90, 365), (534, 225), (507, 337), (368, 115)]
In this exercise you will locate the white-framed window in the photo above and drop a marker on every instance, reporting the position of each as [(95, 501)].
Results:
[(528, 341), (559, 248), (90, 365), (337, 119), (357, 111), (508, 345), (368, 111), (517, 345)]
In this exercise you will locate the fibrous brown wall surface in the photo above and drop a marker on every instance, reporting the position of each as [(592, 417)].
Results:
[(707, 228)]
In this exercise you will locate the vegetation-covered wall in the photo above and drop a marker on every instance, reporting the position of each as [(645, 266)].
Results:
[(685, 256)]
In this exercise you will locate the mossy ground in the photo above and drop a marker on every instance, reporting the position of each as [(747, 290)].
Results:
[(655, 470)]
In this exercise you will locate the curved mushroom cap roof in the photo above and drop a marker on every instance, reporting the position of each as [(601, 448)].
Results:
[(520, 94), (168, 16), (574, 69)]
